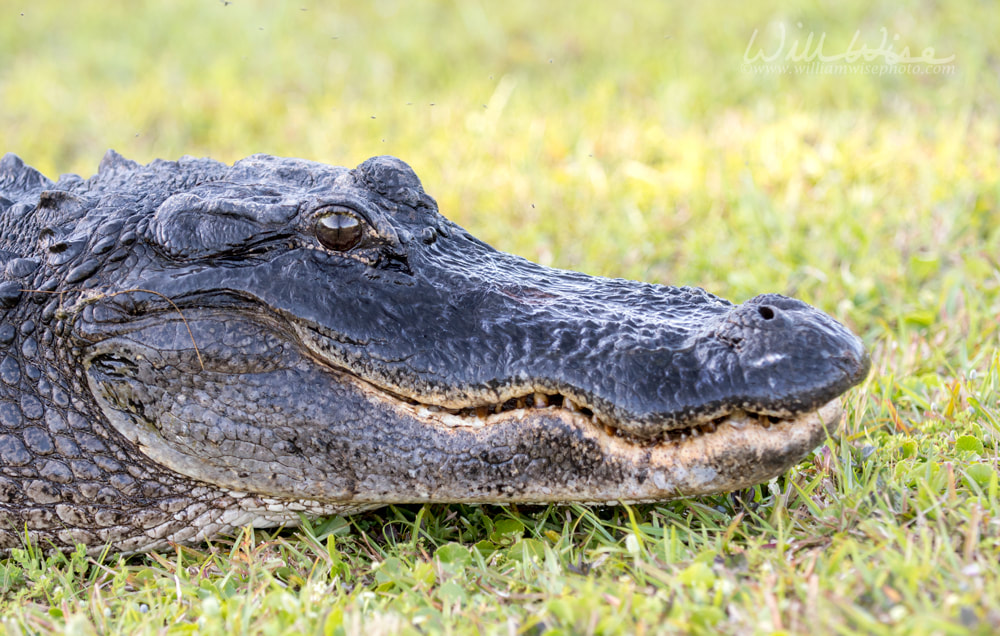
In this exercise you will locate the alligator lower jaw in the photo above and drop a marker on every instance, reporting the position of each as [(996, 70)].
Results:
[(729, 453), (743, 450)]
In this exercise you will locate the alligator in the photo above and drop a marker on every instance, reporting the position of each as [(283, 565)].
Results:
[(189, 348)]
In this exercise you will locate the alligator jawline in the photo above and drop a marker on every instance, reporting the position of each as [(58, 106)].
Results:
[(555, 405), (526, 403), (482, 416)]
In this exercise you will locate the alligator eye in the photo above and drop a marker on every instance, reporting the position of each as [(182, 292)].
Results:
[(339, 231)]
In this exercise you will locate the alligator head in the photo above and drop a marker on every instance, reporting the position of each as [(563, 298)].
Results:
[(304, 332)]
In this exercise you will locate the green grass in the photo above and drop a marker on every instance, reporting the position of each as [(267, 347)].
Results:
[(619, 142)]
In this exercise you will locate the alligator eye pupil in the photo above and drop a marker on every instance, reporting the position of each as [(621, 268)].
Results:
[(339, 231)]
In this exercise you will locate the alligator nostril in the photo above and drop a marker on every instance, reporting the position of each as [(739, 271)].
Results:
[(765, 312)]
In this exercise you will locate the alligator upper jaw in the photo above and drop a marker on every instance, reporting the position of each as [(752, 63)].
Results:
[(476, 407)]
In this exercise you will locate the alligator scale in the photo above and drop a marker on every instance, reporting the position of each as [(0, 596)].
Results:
[(189, 347)]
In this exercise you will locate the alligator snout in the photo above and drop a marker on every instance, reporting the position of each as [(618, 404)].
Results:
[(792, 356)]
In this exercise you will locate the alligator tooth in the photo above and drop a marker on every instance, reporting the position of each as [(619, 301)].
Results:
[(482, 411), (521, 402), (541, 400), (695, 432), (610, 431), (498, 408), (569, 405)]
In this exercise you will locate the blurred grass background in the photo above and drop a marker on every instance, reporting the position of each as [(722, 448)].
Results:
[(625, 141)]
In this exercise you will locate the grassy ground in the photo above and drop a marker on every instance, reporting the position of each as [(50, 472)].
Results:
[(636, 143)]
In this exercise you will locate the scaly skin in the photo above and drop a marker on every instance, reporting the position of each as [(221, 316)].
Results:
[(190, 347)]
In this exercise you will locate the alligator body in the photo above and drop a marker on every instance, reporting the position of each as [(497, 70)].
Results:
[(189, 347)]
